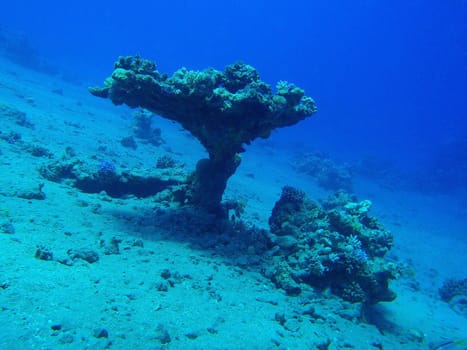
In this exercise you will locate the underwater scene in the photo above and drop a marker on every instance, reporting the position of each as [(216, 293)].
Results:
[(233, 175)]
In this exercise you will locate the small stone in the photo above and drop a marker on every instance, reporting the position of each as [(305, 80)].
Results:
[(377, 345), (214, 329), (138, 243), (310, 311), (280, 318), (162, 335), (349, 313), (193, 334), (44, 253), (113, 246), (39, 151), (37, 193), (415, 335), (85, 254), (145, 252), (324, 345), (276, 342), (131, 296), (64, 260), (162, 287), (292, 325), (56, 327), (7, 228), (129, 142), (66, 339), (266, 300), (291, 287), (165, 274), (101, 333)]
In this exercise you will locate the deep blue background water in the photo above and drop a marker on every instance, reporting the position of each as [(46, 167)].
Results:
[(389, 77)]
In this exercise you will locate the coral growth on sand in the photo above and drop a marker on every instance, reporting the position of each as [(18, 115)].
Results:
[(223, 110), (104, 176), (328, 174), (341, 247)]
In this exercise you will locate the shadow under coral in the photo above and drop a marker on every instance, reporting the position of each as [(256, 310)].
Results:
[(239, 242)]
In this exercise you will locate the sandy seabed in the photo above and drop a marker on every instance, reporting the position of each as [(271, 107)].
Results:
[(177, 290)]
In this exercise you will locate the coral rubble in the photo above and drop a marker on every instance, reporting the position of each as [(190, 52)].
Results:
[(223, 110)]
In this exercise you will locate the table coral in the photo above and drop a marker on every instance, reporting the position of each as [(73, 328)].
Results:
[(223, 110)]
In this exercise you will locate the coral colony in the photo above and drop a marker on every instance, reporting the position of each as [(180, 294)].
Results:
[(107, 168), (223, 110)]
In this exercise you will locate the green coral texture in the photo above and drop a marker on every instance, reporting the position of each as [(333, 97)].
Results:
[(337, 245)]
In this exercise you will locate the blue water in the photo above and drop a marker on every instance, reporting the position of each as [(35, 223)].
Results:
[(389, 77)]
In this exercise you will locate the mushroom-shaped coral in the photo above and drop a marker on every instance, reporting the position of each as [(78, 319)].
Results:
[(223, 110)]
